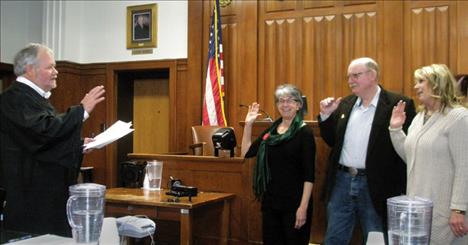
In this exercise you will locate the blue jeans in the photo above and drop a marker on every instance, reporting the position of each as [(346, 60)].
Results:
[(350, 200)]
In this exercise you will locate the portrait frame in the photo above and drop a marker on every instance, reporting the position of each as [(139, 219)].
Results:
[(142, 23)]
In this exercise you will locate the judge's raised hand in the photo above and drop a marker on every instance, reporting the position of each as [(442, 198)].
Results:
[(329, 105), (92, 98), (253, 113), (398, 115)]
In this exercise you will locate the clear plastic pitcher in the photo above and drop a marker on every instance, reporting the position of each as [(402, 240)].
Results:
[(409, 220), (154, 175), (85, 212)]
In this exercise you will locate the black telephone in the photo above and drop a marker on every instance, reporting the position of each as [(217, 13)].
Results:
[(178, 190)]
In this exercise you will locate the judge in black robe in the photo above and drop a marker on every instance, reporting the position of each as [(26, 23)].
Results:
[(41, 150)]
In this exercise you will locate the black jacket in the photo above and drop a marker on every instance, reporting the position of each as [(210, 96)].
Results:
[(386, 171), (41, 153)]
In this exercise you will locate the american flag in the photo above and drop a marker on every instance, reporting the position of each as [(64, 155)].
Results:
[(213, 105)]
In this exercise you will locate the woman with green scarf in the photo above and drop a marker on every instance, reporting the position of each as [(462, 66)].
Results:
[(283, 175)]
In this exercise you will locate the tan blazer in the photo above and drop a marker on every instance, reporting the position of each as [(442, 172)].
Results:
[(436, 154)]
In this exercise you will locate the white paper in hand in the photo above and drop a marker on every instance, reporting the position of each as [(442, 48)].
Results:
[(113, 133)]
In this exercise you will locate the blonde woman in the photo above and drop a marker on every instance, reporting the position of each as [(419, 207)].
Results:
[(435, 151)]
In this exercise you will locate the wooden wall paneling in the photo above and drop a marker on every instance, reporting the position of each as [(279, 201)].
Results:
[(360, 29), (196, 64), (431, 34), (267, 62), (359, 32), (73, 82), (69, 90), (230, 9), (207, 12), (7, 76), (390, 52), (462, 41), (93, 75), (320, 47), (173, 110), (246, 85), (231, 68), (183, 136), (111, 115), (357, 2), (452, 25), (281, 58), (275, 6), (187, 108), (308, 65), (318, 4)]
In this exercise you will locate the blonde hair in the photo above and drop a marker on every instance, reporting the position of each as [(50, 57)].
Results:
[(442, 82)]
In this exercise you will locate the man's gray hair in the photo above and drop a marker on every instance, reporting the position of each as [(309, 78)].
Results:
[(369, 63), (28, 56)]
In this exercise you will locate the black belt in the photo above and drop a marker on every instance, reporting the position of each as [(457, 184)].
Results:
[(352, 170)]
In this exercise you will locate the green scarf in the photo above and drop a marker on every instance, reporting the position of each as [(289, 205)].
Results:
[(261, 171)]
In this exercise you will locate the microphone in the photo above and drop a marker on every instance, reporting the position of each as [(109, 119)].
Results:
[(267, 118)]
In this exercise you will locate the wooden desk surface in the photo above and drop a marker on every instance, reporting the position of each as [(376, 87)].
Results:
[(138, 196), (194, 158)]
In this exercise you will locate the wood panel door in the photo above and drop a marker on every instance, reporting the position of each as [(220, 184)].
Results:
[(151, 116)]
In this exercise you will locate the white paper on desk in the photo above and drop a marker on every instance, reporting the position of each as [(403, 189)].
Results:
[(46, 240), (113, 133)]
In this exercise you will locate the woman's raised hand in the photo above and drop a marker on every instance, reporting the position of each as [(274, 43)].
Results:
[(398, 115), (253, 113)]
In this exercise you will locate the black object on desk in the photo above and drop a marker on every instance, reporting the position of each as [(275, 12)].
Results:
[(179, 190), (224, 139)]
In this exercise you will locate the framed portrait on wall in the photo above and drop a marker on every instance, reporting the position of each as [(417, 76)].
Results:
[(142, 26)]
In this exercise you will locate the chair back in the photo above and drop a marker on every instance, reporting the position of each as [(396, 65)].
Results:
[(203, 134)]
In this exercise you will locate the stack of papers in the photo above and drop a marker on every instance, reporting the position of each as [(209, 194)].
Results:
[(113, 133)]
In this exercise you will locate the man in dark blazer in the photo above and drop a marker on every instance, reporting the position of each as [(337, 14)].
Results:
[(41, 150), (364, 169)]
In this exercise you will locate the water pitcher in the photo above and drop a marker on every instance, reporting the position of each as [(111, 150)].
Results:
[(85, 212), (409, 220)]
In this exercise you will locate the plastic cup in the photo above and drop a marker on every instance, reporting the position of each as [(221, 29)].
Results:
[(154, 174)]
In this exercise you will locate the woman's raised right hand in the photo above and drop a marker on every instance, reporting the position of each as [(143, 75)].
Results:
[(398, 115), (253, 113)]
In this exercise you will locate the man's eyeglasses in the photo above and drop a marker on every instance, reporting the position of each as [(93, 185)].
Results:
[(356, 75)]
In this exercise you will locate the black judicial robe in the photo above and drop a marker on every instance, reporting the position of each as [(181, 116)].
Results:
[(41, 153)]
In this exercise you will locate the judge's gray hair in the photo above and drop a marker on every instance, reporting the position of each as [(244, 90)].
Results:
[(28, 56)]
